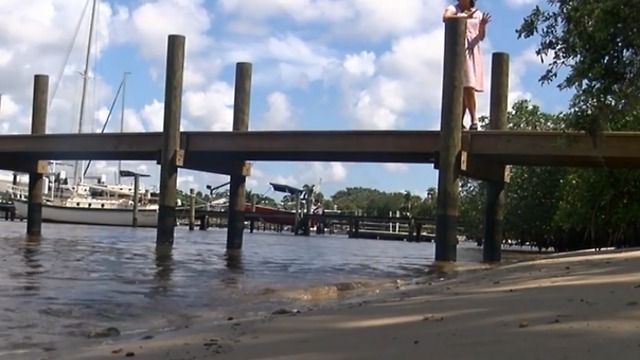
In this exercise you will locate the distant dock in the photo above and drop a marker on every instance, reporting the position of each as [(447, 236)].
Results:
[(391, 236), (8, 210), (356, 226)]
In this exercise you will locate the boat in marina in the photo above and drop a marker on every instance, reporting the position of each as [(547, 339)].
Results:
[(91, 204), (76, 200), (283, 216), (113, 205), (273, 215), (87, 211)]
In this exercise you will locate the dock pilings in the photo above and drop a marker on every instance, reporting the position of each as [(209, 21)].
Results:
[(192, 209), (450, 141), (237, 186), (495, 196), (171, 155), (453, 161), (38, 167)]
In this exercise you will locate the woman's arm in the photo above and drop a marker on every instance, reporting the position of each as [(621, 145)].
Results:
[(482, 31), (449, 12)]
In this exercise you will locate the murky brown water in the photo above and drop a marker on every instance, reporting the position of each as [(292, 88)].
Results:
[(76, 279)]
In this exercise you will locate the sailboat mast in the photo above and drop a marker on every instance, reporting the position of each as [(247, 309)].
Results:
[(124, 90), (85, 80)]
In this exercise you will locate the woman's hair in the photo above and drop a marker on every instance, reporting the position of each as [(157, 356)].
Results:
[(472, 3)]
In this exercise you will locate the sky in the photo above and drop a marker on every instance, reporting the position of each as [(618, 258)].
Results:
[(317, 64)]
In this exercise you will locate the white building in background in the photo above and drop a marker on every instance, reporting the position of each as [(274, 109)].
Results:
[(6, 180)]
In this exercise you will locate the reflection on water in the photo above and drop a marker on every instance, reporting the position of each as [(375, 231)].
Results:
[(76, 279), (164, 268), (234, 260), (32, 265)]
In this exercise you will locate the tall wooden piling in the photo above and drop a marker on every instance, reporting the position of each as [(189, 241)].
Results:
[(170, 157), (450, 141), (237, 186), (38, 126), (192, 209), (494, 210), (252, 222), (297, 218), (136, 199)]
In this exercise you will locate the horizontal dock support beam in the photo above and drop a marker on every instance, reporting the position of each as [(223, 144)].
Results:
[(547, 148), (24, 165), (533, 148)]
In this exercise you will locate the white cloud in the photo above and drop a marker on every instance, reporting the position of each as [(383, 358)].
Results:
[(153, 115), (149, 24), (371, 19), (278, 114), (330, 172), (519, 3), (188, 182), (299, 10), (211, 109), (285, 60), (360, 65), (35, 36), (395, 167)]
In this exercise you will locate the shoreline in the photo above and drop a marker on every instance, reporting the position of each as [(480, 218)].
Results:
[(571, 305)]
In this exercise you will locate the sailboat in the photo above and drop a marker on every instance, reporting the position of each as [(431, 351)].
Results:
[(87, 203)]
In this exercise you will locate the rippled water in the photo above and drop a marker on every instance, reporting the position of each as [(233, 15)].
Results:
[(75, 279)]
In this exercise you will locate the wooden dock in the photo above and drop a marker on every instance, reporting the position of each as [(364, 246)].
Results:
[(206, 150), (484, 155), (359, 226), (340, 218), (391, 236)]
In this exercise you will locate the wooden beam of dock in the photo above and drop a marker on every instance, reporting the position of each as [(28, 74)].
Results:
[(347, 146), (356, 146), (108, 146), (614, 149), (556, 148)]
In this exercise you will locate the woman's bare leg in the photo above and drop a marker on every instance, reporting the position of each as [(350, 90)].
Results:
[(469, 100), (464, 110)]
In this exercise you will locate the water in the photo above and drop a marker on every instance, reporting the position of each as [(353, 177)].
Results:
[(77, 279)]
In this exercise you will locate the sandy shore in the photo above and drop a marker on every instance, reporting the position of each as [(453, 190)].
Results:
[(583, 306)]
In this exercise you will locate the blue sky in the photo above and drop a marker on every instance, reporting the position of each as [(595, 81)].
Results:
[(352, 64)]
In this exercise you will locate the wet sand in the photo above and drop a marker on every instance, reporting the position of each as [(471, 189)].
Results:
[(578, 306)]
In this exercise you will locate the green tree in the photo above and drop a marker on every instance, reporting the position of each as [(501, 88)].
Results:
[(593, 48), (597, 42), (532, 195), (471, 208)]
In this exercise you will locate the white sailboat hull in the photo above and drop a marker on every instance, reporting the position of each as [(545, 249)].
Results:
[(90, 216)]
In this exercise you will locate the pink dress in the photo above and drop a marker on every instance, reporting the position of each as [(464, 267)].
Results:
[(473, 75)]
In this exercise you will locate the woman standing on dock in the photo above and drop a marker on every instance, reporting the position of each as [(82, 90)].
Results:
[(473, 75)]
